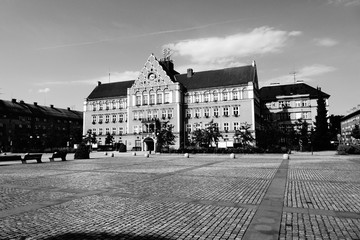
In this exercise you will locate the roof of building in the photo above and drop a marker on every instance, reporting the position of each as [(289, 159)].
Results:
[(353, 112), (22, 108), (217, 78), (110, 90), (270, 93)]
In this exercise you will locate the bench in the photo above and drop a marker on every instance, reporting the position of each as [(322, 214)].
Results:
[(61, 155), (29, 156)]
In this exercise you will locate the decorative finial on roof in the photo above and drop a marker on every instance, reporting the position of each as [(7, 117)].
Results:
[(253, 63), (167, 52)]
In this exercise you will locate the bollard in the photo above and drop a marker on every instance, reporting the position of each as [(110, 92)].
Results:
[(146, 155), (232, 156), (105, 154), (286, 156), (186, 155), (112, 155), (134, 153)]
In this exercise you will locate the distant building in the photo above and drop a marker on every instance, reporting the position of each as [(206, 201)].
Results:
[(348, 122), (25, 127), (286, 104), (130, 110)]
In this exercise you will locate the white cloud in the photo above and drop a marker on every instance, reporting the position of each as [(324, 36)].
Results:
[(228, 49), (345, 2), (114, 77), (44, 90), (325, 42), (306, 74)]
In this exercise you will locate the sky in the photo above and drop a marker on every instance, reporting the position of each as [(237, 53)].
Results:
[(55, 51)]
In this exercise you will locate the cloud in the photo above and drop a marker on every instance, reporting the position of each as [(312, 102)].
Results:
[(44, 90), (114, 77), (345, 2), (306, 74), (228, 49), (169, 31), (325, 42)]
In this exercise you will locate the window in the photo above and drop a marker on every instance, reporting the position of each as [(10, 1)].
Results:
[(141, 115), (150, 115), (305, 103), (236, 111), (216, 112), (235, 95), (167, 97), (159, 98), (145, 99), (197, 97), (197, 113), (114, 130), (188, 128), (207, 112), (121, 130), (107, 118), (93, 119), (216, 96), (225, 96), (107, 130), (138, 100), (163, 114), (100, 131), (188, 113), (100, 106), (170, 114), (226, 127), (206, 97), (298, 103), (226, 111), (306, 115), (152, 99), (155, 114), (93, 131), (187, 98), (94, 107), (114, 118), (136, 115), (236, 126), (107, 105), (100, 119), (121, 117)]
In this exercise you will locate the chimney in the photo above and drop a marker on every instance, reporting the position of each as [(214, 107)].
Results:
[(52, 106), (68, 109), (253, 63), (99, 83), (35, 103), (22, 102), (13, 100), (190, 72)]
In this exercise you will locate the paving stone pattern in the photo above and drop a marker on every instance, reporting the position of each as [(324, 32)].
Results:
[(172, 197)]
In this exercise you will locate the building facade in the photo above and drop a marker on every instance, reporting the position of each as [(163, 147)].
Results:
[(25, 127), (132, 111), (287, 104), (348, 123)]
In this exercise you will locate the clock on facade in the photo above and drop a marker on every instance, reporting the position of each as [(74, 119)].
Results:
[(151, 76)]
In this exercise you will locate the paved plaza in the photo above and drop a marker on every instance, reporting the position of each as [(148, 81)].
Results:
[(172, 197)]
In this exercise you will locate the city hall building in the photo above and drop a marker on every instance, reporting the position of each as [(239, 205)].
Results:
[(130, 110)]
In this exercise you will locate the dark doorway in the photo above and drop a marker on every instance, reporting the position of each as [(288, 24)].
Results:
[(149, 143)]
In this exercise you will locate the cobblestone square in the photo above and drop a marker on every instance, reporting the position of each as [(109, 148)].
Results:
[(173, 197)]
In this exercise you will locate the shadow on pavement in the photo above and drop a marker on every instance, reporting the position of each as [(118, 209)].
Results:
[(102, 235)]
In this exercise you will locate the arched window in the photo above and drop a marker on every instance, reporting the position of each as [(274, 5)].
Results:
[(145, 96), (159, 97), (206, 97), (152, 97), (235, 94), (215, 96), (167, 96), (138, 99), (197, 97), (225, 95)]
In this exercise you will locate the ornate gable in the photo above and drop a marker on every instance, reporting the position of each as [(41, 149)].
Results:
[(152, 74)]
